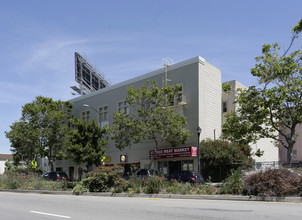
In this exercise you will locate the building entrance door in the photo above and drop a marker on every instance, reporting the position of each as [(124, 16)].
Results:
[(71, 173), (174, 166)]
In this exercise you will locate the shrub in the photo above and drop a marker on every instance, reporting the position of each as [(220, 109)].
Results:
[(274, 182), (155, 184), (233, 184), (136, 185), (79, 189), (16, 180), (102, 179), (174, 187), (207, 189), (9, 182)]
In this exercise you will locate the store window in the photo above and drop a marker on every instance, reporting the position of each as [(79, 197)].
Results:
[(187, 165), (104, 115), (123, 106), (163, 167)]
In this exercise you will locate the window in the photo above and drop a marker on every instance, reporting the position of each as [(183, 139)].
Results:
[(123, 106), (163, 167), (187, 165), (224, 107), (179, 98), (86, 116), (104, 115), (294, 153)]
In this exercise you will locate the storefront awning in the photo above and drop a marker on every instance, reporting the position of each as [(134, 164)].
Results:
[(173, 153)]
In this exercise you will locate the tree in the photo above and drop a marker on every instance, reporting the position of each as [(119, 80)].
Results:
[(151, 116), (41, 131), (86, 142), (23, 143), (220, 157), (273, 108), (221, 152)]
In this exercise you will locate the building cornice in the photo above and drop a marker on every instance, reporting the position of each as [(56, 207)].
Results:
[(197, 59)]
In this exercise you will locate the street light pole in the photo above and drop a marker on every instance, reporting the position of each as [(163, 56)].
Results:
[(198, 147)]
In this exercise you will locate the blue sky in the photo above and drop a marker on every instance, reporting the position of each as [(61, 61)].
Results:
[(126, 39)]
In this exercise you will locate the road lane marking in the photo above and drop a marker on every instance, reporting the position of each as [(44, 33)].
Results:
[(43, 213)]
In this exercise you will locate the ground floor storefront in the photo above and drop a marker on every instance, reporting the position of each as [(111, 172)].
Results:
[(164, 161)]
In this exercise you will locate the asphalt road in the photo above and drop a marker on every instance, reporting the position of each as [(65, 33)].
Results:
[(15, 206)]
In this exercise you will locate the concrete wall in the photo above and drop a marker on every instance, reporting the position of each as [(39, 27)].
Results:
[(209, 101)]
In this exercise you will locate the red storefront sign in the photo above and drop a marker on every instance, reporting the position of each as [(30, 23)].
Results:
[(174, 153)]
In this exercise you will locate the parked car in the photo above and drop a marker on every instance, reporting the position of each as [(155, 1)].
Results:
[(145, 173), (186, 176), (127, 174), (141, 173), (55, 176)]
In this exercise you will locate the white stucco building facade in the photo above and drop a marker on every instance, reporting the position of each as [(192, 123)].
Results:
[(271, 152)]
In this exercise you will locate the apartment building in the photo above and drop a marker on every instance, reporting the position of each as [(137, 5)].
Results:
[(199, 101)]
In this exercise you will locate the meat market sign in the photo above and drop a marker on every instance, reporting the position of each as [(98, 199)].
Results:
[(173, 153)]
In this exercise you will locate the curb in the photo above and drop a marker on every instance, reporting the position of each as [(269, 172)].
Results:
[(198, 197), (38, 191), (166, 196)]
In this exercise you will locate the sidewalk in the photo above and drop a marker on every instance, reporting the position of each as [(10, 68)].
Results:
[(167, 196)]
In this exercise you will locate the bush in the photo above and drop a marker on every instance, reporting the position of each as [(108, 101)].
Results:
[(274, 182), (16, 180), (136, 185), (101, 179), (79, 189), (155, 184), (176, 187), (207, 189), (9, 182), (233, 184)]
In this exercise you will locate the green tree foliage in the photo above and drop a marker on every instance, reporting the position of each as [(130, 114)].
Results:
[(220, 152), (41, 130), (220, 157), (273, 108), (151, 117), (86, 142), (24, 142)]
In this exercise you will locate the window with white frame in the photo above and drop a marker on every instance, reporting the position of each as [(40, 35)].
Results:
[(86, 116), (123, 106), (179, 98), (104, 115)]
